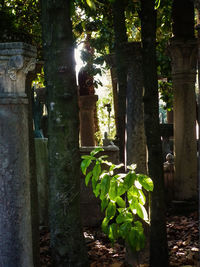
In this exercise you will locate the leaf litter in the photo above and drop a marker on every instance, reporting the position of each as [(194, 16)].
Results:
[(182, 235)]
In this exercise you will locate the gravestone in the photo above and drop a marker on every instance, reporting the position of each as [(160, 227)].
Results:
[(184, 62), (16, 60)]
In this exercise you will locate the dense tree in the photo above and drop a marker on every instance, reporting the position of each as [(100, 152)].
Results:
[(67, 242), (20, 21)]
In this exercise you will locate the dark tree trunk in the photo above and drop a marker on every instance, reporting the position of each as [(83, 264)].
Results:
[(158, 242), (136, 141), (67, 243), (120, 42)]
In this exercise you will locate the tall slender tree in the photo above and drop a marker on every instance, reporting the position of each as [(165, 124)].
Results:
[(121, 39), (158, 242), (67, 242)]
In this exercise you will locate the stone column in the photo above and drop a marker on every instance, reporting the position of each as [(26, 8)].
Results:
[(16, 59), (110, 60), (184, 59), (87, 105)]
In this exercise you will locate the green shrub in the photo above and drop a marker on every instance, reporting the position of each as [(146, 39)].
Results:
[(121, 197)]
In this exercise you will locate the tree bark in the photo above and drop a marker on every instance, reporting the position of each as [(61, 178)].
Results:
[(158, 241), (136, 140), (120, 42), (67, 243)]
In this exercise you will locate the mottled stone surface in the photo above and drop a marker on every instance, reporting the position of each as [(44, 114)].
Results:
[(16, 59), (87, 105), (15, 219), (41, 151), (184, 59)]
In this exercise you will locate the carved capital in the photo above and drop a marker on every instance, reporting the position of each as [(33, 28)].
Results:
[(15, 63), (29, 65), (183, 56), (16, 60)]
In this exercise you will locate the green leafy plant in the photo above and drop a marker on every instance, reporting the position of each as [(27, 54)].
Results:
[(121, 197)]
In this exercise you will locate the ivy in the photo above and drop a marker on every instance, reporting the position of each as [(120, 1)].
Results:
[(122, 198)]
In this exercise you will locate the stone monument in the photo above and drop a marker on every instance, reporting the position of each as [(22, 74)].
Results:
[(87, 105), (16, 60), (184, 62)]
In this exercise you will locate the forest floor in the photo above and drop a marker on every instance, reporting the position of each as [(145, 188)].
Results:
[(182, 235)]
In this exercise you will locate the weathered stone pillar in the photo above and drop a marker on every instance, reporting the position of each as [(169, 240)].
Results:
[(87, 104), (110, 60), (184, 58), (16, 59)]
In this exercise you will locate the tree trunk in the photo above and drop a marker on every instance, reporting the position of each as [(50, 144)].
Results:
[(120, 42), (136, 141), (67, 243), (158, 242)]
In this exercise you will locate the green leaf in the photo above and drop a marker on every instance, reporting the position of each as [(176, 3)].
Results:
[(96, 171), (138, 226), (105, 184), (124, 229), (96, 150), (118, 166), (132, 167), (91, 4), (113, 232), (113, 190), (121, 189), (87, 178), (146, 182), (133, 192), (104, 225), (140, 235), (137, 184), (84, 165), (94, 183), (141, 211), (108, 163), (136, 238), (141, 197), (124, 217), (103, 157), (97, 190), (121, 203), (133, 203), (129, 180), (104, 204), (87, 157), (133, 238), (111, 210)]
